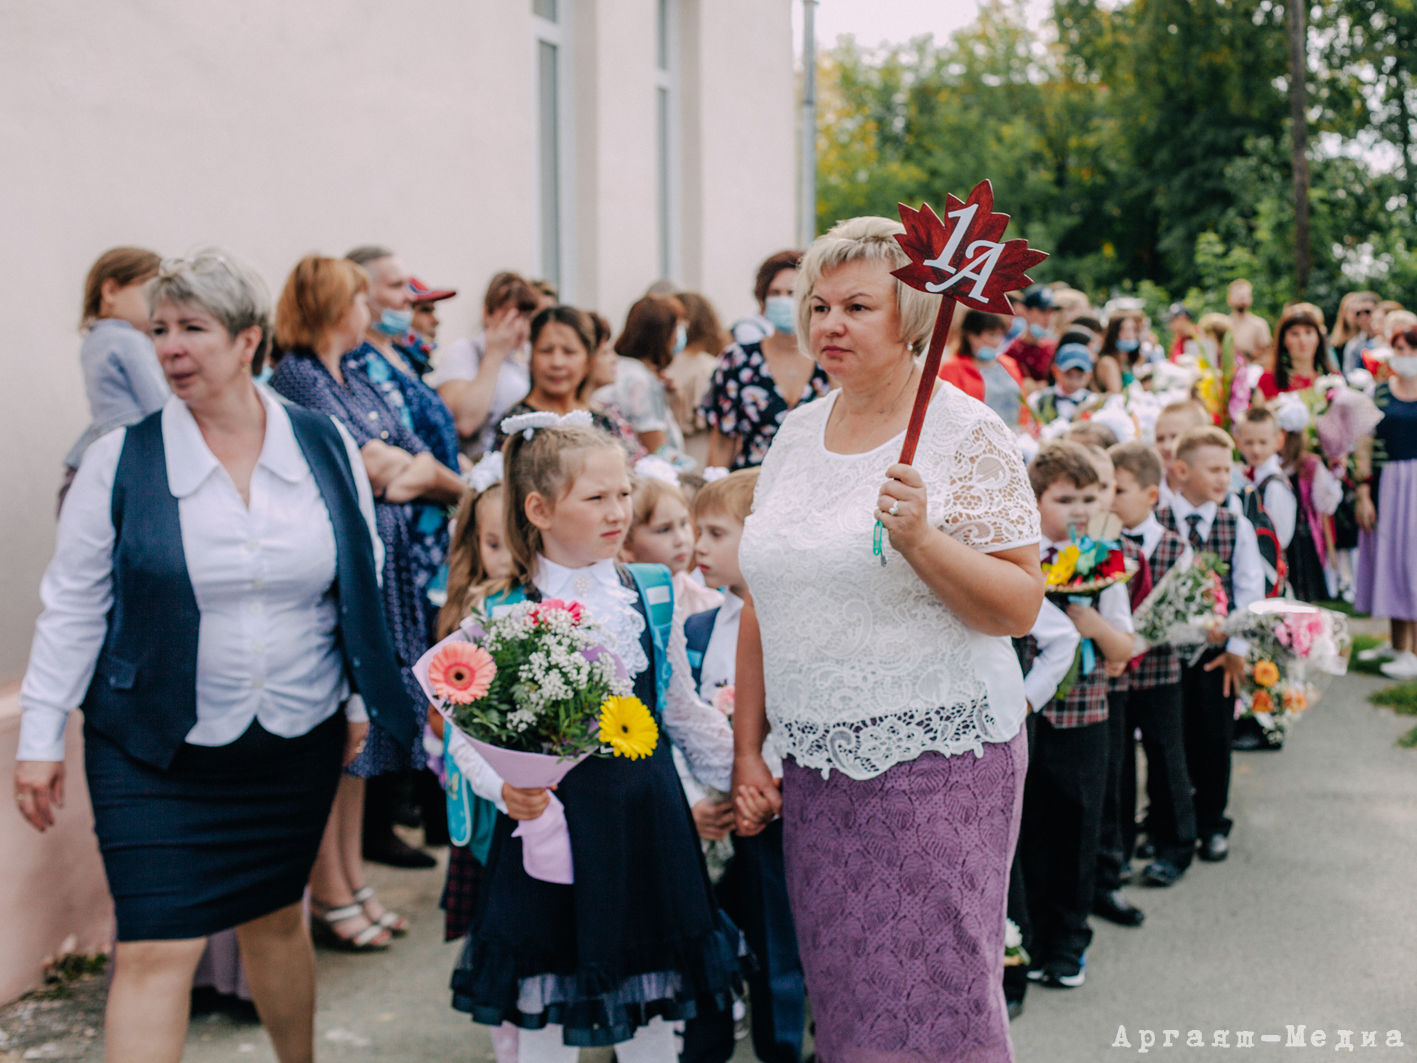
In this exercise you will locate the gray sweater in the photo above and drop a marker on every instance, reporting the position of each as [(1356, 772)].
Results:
[(122, 380)]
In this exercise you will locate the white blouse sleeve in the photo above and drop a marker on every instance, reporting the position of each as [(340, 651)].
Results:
[(989, 503), (77, 592), (702, 732), (480, 775)]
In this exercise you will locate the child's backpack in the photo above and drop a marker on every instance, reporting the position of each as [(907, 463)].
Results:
[(1276, 571)]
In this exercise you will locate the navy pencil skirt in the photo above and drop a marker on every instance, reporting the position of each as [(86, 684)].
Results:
[(225, 835)]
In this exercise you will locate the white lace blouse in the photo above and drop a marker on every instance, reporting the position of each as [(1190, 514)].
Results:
[(865, 667)]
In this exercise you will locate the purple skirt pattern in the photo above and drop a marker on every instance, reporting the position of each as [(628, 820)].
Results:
[(1387, 555), (898, 887)]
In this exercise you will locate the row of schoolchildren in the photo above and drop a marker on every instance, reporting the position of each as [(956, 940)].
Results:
[(693, 528), (1080, 832)]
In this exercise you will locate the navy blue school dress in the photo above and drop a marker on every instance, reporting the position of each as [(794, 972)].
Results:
[(637, 936)]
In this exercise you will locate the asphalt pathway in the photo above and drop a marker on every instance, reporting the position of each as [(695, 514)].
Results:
[(1309, 923)]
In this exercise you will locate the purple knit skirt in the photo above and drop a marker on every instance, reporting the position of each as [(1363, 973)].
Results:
[(898, 887), (1387, 555)]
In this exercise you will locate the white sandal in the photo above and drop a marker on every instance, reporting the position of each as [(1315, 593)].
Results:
[(323, 923), (394, 923)]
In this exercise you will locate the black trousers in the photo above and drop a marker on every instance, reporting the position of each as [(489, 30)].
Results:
[(1171, 809), (753, 892), (1111, 850), (1210, 728), (1062, 821)]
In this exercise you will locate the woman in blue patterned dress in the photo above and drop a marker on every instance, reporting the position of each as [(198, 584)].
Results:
[(322, 312)]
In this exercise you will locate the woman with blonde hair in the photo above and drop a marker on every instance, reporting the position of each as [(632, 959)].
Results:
[(903, 711)]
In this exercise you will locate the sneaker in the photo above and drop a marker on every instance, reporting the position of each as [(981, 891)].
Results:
[(1066, 974), (1376, 653), (1403, 666), (1035, 974)]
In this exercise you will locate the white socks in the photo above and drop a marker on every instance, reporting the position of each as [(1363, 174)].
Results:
[(651, 1044)]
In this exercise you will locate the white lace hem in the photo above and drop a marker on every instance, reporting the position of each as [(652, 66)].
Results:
[(863, 749)]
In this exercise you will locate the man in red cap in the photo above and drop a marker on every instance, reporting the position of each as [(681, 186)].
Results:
[(423, 333)]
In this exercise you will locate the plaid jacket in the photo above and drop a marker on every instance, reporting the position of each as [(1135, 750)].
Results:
[(1138, 587), (1085, 704), (1224, 530), (1161, 666)]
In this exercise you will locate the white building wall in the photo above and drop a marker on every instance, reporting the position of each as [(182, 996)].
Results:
[(274, 129)]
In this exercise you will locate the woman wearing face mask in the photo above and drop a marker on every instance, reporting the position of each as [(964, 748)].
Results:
[(1387, 508), (1121, 351), (654, 332), (982, 372), (758, 383)]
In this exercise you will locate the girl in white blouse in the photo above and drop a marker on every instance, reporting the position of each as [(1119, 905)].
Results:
[(893, 691)]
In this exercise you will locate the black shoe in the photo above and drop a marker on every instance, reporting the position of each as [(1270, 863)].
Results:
[(1065, 974), (1161, 873), (1115, 908), (395, 852), (1214, 848), (1146, 850), (1248, 741), (1015, 1007), (1124, 877)]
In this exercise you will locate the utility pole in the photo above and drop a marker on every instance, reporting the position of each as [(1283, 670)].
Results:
[(1298, 106), (807, 207)]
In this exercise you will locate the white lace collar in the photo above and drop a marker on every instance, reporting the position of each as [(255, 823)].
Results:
[(609, 602)]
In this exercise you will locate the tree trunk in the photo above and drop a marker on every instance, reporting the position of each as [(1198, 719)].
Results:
[(1298, 105)]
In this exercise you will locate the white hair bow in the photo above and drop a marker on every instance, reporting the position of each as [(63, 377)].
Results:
[(714, 472), (1291, 413), (653, 468), (528, 423), (486, 472)]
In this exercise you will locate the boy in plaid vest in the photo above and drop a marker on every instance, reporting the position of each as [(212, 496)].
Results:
[(1154, 696), (1200, 475), (1067, 770)]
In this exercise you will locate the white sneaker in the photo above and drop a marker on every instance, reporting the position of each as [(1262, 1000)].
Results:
[(1403, 666), (1377, 653)]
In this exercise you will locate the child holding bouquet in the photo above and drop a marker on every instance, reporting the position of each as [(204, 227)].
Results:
[(754, 888), (1067, 771), (1200, 476), (635, 941), (1153, 700), (1310, 553)]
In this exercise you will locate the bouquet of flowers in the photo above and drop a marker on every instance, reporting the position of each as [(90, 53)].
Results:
[(1083, 569), (535, 691), (1186, 606), (1294, 650), (1090, 563), (1015, 955)]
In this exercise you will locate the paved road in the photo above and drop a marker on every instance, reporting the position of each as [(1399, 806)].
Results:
[(1311, 921)]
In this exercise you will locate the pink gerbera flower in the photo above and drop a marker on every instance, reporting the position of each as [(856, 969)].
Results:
[(461, 672)]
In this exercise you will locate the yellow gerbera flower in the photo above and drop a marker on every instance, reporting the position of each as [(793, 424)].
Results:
[(1266, 673), (628, 727), (1062, 569)]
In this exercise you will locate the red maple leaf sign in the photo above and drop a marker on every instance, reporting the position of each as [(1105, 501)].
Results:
[(964, 257)]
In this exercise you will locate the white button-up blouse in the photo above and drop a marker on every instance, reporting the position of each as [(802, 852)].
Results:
[(262, 575)]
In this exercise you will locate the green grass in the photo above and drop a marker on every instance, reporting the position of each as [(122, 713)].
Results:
[(1401, 698), (1338, 605), (1409, 740), (1361, 643)]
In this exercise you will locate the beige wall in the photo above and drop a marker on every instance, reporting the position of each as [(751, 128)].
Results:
[(277, 128)]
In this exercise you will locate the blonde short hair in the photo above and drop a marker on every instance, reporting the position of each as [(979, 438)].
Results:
[(872, 240)]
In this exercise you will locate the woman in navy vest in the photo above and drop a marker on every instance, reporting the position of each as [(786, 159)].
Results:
[(213, 606)]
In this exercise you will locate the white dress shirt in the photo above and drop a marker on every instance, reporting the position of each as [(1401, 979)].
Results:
[(1280, 505), (1246, 567), (721, 654), (1058, 642), (261, 574)]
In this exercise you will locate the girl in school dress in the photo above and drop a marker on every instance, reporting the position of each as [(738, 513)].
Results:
[(636, 941)]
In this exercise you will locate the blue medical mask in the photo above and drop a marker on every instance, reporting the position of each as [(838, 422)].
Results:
[(394, 322), (681, 338), (1128, 345), (781, 311), (1038, 332), (986, 354)]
